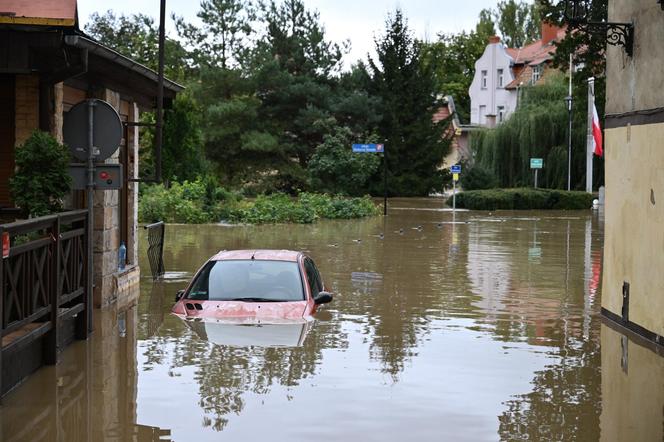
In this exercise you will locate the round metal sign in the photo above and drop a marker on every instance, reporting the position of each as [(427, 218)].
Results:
[(106, 128)]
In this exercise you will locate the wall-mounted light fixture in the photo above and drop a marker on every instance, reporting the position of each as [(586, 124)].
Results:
[(577, 13)]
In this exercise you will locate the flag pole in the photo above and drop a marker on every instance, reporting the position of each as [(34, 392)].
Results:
[(569, 100), (589, 135)]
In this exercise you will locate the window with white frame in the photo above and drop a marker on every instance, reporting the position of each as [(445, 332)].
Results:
[(482, 118), (501, 113), (500, 78), (484, 79), (537, 73)]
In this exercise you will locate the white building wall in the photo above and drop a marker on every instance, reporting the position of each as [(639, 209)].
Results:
[(485, 101)]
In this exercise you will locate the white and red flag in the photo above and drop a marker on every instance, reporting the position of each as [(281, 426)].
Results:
[(597, 134)]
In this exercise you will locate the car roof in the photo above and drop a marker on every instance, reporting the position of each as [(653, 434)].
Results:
[(261, 254)]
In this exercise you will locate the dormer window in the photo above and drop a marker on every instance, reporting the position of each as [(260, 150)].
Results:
[(537, 73), (484, 79)]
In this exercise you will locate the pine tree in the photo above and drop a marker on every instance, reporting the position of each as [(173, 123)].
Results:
[(406, 86)]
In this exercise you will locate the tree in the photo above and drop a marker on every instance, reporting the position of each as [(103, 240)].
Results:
[(223, 38), (453, 59), (407, 88), (293, 66), (136, 36), (334, 168), (42, 178), (589, 61), (519, 23), (182, 148)]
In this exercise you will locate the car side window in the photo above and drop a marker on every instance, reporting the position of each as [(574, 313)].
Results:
[(200, 288), (313, 277)]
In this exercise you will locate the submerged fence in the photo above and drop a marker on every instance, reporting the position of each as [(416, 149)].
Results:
[(43, 273), (156, 233)]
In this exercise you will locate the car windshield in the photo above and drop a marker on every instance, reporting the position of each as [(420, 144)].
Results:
[(248, 280)]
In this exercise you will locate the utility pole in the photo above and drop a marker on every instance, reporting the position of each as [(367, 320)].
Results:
[(160, 92)]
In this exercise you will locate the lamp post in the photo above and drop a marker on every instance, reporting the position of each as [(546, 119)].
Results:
[(569, 100)]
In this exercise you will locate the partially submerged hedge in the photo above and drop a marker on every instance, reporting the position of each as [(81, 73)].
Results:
[(523, 199), (201, 201), (306, 208)]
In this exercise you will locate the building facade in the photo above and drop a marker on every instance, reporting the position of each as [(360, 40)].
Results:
[(490, 101), (501, 71), (633, 283), (47, 65)]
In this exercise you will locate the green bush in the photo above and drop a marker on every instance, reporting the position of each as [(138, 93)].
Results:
[(477, 178), (202, 201), (307, 208), (42, 177), (523, 199), (195, 202)]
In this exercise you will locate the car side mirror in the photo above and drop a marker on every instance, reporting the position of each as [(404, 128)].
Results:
[(179, 295), (323, 298)]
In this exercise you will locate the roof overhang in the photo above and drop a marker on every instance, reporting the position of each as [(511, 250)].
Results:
[(109, 54)]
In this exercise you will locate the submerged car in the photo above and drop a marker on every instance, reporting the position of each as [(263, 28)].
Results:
[(258, 284)]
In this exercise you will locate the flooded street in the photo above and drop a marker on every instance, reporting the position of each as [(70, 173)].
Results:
[(478, 326)]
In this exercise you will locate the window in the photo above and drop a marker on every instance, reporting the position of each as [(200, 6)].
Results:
[(500, 78), (248, 279), (501, 113), (537, 73), (313, 277), (482, 114), (484, 80)]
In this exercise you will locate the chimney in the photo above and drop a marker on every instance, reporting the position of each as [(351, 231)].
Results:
[(494, 39), (549, 32)]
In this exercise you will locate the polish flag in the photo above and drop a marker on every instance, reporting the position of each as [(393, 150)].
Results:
[(597, 134)]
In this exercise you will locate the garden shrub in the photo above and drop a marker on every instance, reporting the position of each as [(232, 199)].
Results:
[(523, 199), (477, 177), (42, 176)]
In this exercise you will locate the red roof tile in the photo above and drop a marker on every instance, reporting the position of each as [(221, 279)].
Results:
[(535, 51)]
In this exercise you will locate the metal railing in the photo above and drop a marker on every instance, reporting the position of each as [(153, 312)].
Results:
[(156, 233)]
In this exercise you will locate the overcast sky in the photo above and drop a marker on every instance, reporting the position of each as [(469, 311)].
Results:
[(354, 20)]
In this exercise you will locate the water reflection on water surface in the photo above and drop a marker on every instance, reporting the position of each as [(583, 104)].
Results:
[(474, 326)]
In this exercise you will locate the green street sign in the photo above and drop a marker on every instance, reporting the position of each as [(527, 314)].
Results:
[(536, 163)]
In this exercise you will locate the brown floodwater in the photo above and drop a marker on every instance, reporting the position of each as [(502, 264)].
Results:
[(475, 326)]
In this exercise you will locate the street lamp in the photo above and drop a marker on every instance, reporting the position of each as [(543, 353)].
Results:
[(568, 100)]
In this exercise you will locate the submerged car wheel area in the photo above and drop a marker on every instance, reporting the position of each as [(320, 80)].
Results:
[(261, 284)]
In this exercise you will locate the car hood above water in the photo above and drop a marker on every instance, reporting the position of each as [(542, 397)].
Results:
[(240, 309)]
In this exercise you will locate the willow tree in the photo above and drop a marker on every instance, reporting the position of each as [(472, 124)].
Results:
[(537, 129)]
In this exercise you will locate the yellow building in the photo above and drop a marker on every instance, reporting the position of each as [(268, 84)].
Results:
[(633, 285)]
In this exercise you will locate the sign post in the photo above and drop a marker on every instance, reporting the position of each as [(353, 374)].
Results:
[(456, 170), (376, 148), (93, 131), (537, 164)]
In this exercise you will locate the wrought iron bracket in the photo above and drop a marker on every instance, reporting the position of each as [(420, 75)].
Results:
[(577, 13), (617, 34)]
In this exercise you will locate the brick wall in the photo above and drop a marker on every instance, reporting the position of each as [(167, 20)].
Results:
[(27, 106)]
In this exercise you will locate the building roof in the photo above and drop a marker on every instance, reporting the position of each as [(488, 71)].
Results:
[(38, 12), (536, 53), (36, 15), (531, 55)]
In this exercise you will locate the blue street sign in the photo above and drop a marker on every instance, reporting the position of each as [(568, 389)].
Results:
[(373, 148), (456, 168)]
